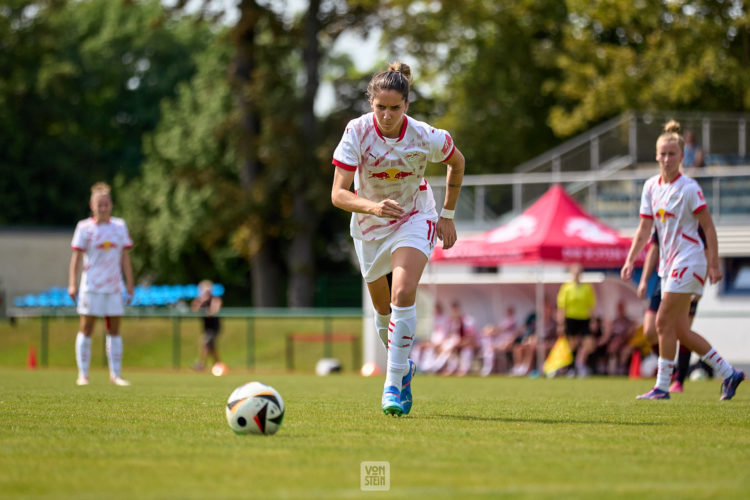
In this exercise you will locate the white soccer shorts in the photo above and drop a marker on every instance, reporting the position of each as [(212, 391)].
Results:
[(684, 279), (375, 256), (100, 304)]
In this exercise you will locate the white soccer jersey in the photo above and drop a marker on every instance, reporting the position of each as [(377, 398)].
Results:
[(391, 168), (102, 245), (673, 206)]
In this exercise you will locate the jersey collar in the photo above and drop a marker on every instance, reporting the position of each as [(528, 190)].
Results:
[(400, 135), (673, 180)]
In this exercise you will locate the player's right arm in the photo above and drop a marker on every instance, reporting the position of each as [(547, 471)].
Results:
[(342, 197), (73, 271), (642, 235), (652, 257)]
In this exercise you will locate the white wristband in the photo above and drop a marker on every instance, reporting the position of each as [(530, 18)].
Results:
[(447, 214)]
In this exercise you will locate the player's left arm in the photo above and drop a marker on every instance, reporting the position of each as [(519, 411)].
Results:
[(127, 270), (712, 245), (446, 228)]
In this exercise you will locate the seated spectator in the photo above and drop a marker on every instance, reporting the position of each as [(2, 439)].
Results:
[(456, 352), (693, 154), (619, 349), (595, 355), (497, 343), (525, 352), (424, 352)]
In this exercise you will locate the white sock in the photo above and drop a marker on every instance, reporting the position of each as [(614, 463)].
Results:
[(719, 364), (381, 326), (438, 362), (83, 353), (466, 357), (488, 361), (401, 331), (114, 354), (665, 367)]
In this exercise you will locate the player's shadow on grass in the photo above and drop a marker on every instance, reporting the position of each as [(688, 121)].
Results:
[(519, 420)]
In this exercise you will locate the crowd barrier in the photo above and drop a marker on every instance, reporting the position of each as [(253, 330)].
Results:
[(176, 316)]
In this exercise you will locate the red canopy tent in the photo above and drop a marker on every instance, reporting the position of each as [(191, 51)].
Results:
[(555, 229)]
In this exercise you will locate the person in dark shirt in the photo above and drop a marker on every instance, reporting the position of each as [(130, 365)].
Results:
[(209, 305)]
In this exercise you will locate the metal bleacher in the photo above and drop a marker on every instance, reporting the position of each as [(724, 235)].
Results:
[(605, 167)]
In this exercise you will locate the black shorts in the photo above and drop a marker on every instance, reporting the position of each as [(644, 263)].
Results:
[(577, 326), (209, 337), (653, 304)]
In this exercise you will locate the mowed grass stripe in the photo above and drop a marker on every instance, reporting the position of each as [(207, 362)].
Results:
[(166, 437)]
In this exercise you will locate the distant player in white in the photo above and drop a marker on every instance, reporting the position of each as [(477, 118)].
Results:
[(674, 203), (394, 221), (101, 245)]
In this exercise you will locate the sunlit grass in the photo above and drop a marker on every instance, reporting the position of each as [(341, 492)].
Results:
[(166, 437)]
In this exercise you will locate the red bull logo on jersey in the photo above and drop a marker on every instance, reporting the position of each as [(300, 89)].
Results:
[(663, 215), (391, 174), (106, 245)]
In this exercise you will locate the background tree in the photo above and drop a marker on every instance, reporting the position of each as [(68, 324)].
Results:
[(81, 83), (223, 167), (649, 55), (482, 63), (260, 115)]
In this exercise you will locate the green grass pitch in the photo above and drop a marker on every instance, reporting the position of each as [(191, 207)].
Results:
[(166, 437)]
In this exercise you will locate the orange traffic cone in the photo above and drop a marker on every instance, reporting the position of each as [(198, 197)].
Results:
[(31, 358), (635, 365)]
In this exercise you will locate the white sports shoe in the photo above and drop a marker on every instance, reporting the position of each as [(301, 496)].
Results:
[(119, 381), (82, 380)]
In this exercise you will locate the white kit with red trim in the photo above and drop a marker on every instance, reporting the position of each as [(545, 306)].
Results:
[(102, 244), (391, 168), (673, 207)]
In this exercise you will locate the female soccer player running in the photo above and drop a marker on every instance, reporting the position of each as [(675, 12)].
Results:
[(101, 244), (675, 205), (394, 222)]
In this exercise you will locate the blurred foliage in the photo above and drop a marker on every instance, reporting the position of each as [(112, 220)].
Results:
[(223, 170), (486, 60), (212, 198), (649, 55), (81, 83)]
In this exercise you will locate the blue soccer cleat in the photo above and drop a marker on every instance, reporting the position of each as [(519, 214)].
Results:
[(654, 393), (729, 386), (406, 387), (392, 402)]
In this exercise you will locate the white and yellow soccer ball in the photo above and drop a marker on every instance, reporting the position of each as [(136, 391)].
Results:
[(255, 408)]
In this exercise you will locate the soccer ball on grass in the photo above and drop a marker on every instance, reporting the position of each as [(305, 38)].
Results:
[(255, 408)]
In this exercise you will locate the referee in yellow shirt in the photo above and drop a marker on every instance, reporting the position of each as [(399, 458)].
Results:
[(575, 307)]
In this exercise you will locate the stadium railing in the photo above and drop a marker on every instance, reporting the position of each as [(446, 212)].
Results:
[(604, 168), (176, 316), (326, 339)]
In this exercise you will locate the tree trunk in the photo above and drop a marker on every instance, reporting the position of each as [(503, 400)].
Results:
[(264, 267), (301, 258)]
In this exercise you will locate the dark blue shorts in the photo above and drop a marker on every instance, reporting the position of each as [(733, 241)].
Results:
[(656, 300)]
